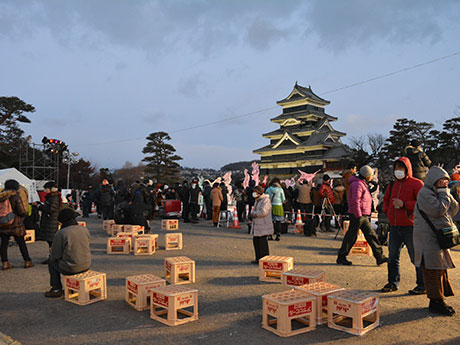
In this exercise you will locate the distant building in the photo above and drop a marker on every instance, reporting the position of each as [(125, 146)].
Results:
[(305, 140)]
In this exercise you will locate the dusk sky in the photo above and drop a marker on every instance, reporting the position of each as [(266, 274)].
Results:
[(104, 74)]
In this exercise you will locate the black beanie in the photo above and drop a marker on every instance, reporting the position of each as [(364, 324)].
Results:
[(66, 215), (326, 177), (11, 185), (49, 185), (415, 143)]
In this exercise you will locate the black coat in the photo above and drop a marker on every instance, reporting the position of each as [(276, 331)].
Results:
[(184, 194), (121, 194), (88, 197), (194, 195), (137, 208), (106, 196), (419, 161), (223, 206), (207, 193), (49, 223), (32, 221)]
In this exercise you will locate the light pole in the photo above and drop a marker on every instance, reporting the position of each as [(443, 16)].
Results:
[(69, 158)]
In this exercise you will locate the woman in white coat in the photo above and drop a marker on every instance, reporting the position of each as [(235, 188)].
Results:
[(262, 225)]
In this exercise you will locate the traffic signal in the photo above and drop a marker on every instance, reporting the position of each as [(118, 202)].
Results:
[(54, 145)]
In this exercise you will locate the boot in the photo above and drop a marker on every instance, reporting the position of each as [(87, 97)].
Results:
[(54, 293), (342, 260), (28, 264), (6, 266), (438, 306)]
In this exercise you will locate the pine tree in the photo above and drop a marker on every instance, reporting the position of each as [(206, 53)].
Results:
[(403, 132), (162, 163), (12, 111)]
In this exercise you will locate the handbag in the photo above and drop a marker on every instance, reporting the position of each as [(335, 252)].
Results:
[(448, 237)]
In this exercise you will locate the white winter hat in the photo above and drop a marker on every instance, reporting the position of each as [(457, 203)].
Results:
[(366, 171)]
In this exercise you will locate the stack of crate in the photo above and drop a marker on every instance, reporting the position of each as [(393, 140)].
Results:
[(312, 301), (172, 241)]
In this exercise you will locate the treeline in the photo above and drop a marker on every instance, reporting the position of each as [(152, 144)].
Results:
[(441, 145)]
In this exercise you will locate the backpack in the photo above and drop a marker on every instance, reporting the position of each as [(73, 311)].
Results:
[(121, 215), (6, 213)]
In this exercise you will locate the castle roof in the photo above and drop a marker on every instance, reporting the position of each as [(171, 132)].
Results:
[(297, 114), (301, 92)]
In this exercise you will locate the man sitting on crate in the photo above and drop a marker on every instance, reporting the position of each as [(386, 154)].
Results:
[(70, 253)]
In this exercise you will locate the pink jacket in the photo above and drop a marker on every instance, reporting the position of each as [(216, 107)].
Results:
[(359, 198)]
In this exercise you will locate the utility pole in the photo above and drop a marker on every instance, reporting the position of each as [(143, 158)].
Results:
[(69, 159)]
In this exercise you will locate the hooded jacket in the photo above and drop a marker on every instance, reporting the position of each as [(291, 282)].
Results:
[(439, 205), (17, 227), (262, 217), (419, 160), (359, 198), (405, 190)]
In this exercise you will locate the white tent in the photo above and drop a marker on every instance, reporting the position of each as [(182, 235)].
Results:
[(14, 174)]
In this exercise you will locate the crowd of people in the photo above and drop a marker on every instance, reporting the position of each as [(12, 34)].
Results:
[(421, 204), (419, 200)]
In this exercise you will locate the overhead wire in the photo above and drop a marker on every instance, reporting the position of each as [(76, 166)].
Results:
[(386, 75)]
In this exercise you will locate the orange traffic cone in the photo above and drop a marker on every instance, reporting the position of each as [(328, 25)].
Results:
[(298, 223), (298, 218), (236, 222)]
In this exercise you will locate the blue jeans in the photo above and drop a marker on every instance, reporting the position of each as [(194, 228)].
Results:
[(400, 235)]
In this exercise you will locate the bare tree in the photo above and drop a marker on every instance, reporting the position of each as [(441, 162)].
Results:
[(375, 142), (358, 143)]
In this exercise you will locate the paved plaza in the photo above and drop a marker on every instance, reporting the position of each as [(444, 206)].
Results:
[(230, 303)]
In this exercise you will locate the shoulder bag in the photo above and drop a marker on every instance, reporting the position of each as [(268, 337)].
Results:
[(448, 237)]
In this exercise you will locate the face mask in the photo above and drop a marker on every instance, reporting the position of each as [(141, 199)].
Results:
[(255, 195), (399, 174)]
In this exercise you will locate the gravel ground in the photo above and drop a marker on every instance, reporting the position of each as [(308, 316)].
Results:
[(230, 303)]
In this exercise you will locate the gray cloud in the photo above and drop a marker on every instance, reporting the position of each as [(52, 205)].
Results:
[(158, 27), (343, 24), (193, 86), (154, 26), (262, 33)]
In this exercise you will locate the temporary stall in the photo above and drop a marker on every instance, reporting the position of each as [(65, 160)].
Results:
[(14, 174)]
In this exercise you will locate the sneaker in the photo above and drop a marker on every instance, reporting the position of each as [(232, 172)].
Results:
[(343, 261), (53, 293), (418, 290), (440, 307), (390, 287), (382, 260)]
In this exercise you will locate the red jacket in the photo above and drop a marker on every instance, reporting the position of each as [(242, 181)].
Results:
[(405, 190), (326, 190)]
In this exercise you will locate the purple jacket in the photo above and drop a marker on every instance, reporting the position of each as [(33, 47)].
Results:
[(359, 198)]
